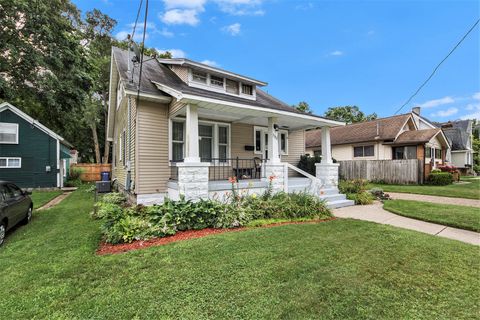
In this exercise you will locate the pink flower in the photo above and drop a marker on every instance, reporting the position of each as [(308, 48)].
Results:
[(271, 178)]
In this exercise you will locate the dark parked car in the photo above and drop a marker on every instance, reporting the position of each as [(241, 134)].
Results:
[(15, 206)]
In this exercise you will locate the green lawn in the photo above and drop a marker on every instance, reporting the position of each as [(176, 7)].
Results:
[(450, 215), (40, 198), (342, 269), (468, 190)]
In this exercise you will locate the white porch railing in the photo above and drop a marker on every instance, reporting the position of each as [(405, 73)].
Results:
[(316, 184)]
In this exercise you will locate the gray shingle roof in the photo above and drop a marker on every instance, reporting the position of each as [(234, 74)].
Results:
[(153, 71), (457, 132)]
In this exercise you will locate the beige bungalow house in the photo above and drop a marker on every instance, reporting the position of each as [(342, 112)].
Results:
[(391, 138), (188, 127)]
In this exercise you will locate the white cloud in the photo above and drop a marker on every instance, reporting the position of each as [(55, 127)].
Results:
[(437, 102), (304, 6), (122, 35), (190, 4), (233, 29), (476, 96), (167, 34), (445, 113), (210, 63), (336, 53), (241, 7), (181, 16), (176, 53), (475, 107)]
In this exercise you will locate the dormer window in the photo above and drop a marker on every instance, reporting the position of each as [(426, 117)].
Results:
[(216, 81), (200, 77), (232, 86), (247, 89)]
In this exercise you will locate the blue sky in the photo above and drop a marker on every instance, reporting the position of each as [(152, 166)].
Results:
[(373, 54)]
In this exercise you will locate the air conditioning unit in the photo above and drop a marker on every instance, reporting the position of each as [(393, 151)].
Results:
[(103, 186)]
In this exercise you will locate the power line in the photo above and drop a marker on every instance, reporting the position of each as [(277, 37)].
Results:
[(438, 66), (142, 51), (136, 19)]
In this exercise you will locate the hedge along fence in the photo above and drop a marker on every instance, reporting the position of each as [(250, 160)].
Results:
[(91, 171), (390, 171)]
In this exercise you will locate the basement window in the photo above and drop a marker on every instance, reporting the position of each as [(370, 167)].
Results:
[(8, 133), (10, 162)]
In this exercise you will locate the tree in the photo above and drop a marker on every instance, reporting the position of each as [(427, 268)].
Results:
[(348, 114), (303, 106), (43, 67)]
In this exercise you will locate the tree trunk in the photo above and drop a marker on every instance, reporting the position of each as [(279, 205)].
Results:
[(106, 151), (95, 142)]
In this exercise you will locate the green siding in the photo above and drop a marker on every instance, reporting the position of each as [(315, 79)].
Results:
[(37, 150)]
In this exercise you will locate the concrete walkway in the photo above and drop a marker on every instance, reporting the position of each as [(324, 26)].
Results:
[(54, 201), (436, 199), (376, 213)]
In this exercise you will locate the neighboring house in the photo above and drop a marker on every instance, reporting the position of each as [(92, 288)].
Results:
[(192, 126), (391, 138), (460, 135), (31, 155)]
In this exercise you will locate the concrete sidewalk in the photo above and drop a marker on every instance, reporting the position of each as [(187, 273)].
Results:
[(435, 199), (376, 213)]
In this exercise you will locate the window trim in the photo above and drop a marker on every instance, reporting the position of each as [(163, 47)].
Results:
[(11, 158), (16, 131), (363, 150), (263, 144), (215, 143)]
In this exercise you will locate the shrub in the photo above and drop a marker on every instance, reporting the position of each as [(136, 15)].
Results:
[(361, 198), (352, 186), (435, 171), (378, 194), (126, 224), (114, 197), (75, 173), (307, 163), (440, 178)]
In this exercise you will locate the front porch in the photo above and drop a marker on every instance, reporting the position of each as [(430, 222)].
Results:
[(214, 142)]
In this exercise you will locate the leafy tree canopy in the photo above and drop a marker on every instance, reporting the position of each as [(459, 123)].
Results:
[(303, 106), (348, 114)]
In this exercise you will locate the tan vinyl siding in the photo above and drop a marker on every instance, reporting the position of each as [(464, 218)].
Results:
[(121, 123), (153, 163), (181, 72)]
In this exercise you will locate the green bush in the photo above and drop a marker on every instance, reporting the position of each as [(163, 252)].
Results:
[(440, 178), (307, 163), (352, 186), (361, 198), (126, 224), (436, 171), (75, 173), (114, 197)]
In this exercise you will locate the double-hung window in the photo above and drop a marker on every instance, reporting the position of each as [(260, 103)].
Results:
[(438, 153), (8, 133), (261, 141), (216, 81), (6, 162), (200, 77), (283, 142), (178, 141), (222, 143), (364, 151)]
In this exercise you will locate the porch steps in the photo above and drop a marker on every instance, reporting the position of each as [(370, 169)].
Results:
[(330, 195)]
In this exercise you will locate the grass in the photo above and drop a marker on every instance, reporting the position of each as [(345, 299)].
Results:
[(450, 215), (468, 190), (343, 269), (41, 198)]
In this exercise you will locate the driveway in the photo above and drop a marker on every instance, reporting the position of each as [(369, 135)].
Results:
[(376, 213)]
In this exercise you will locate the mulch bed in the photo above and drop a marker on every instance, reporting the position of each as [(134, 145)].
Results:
[(107, 248)]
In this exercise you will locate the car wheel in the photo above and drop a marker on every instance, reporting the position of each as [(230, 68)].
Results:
[(3, 232), (28, 217)]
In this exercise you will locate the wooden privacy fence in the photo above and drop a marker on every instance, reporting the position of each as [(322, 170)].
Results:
[(91, 171), (390, 171)]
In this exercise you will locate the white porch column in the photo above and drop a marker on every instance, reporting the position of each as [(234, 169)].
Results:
[(273, 143), (191, 135), (326, 146), (327, 171)]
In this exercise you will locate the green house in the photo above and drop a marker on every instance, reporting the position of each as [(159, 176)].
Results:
[(31, 155)]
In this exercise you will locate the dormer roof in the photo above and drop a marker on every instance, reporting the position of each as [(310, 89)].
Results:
[(208, 68)]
